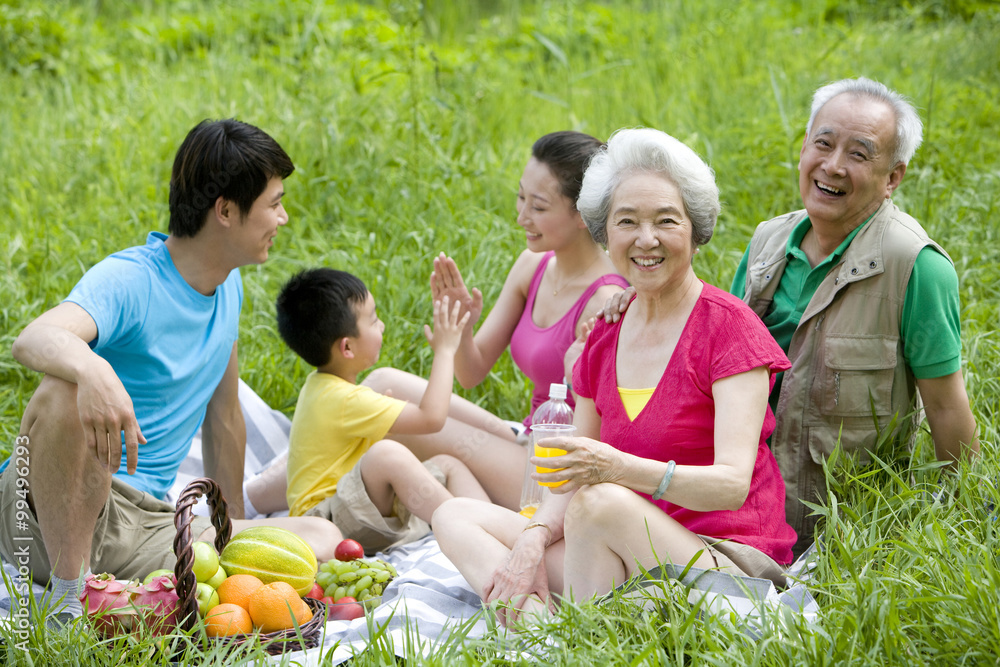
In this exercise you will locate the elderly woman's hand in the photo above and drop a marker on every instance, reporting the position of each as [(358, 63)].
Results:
[(446, 280), (585, 462), (616, 305), (522, 574)]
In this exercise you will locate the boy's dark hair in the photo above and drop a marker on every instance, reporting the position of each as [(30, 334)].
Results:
[(316, 308), (567, 154), (221, 158)]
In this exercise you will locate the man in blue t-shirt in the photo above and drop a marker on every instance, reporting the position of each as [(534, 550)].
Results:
[(141, 354)]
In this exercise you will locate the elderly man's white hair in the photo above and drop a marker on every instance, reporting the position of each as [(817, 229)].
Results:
[(644, 150), (909, 129)]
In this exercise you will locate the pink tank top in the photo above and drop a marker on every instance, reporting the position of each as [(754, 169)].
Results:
[(538, 351)]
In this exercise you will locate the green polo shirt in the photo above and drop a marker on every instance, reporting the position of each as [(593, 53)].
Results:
[(931, 324)]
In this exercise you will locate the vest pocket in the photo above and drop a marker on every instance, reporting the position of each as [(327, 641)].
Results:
[(856, 371), (854, 437)]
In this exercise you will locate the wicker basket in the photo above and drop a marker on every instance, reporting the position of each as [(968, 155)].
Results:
[(306, 636)]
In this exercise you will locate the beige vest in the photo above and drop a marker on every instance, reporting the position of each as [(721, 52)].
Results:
[(846, 353)]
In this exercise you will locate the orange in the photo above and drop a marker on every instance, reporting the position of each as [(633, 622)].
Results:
[(238, 588), (227, 619), (277, 606)]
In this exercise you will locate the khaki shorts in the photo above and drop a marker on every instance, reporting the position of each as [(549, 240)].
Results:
[(744, 561), (354, 513), (134, 534)]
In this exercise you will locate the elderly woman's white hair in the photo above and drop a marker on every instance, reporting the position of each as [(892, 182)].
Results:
[(645, 150), (909, 129)]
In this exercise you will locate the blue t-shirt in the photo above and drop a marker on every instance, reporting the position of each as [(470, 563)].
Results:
[(169, 344)]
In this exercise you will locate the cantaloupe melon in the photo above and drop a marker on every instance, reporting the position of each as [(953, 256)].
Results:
[(271, 554)]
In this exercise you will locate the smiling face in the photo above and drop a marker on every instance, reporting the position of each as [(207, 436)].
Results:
[(649, 233), (367, 345), (845, 167), (548, 217), (255, 229)]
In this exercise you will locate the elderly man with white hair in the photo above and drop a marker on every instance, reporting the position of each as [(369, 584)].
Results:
[(864, 303)]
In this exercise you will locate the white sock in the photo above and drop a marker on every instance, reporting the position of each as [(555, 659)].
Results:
[(66, 594)]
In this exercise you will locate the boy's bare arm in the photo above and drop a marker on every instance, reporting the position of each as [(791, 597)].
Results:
[(430, 415)]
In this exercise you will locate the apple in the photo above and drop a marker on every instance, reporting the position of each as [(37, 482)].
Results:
[(346, 609), (349, 550), (206, 561), (159, 573), (217, 578), (207, 598), (316, 592)]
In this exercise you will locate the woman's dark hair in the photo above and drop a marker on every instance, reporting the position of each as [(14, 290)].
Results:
[(567, 155), (316, 308), (221, 158)]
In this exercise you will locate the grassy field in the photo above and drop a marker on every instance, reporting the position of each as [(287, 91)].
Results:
[(410, 123)]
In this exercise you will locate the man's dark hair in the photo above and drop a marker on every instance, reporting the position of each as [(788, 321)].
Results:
[(567, 155), (316, 308), (221, 158)]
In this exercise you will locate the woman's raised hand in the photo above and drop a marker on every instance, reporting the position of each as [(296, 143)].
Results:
[(586, 462), (446, 280), (616, 305)]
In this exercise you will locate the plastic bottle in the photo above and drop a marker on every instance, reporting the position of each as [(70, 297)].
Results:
[(553, 411)]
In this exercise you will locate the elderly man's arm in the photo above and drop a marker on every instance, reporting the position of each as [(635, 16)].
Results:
[(224, 438), (946, 405)]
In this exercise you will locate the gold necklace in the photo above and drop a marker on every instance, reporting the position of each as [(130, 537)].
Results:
[(555, 292)]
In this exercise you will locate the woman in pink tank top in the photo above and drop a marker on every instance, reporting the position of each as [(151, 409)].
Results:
[(557, 284)]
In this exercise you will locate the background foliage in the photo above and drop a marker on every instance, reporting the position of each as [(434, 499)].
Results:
[(410, 123)]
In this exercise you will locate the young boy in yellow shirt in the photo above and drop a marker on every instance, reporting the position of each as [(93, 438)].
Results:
[(341, 466)]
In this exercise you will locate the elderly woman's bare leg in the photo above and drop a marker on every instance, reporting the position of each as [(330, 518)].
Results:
[(477, 537), (609, 529)]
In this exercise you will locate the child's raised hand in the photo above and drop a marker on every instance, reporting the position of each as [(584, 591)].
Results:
[(446, 280), (448, 325)]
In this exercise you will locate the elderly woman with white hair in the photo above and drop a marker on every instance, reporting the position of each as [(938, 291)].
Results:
[(669, 462)]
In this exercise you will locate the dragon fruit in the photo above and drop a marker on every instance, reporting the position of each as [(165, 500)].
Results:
[(158, 604), (107, 604)]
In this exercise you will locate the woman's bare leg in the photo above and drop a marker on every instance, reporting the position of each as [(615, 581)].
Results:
[(609, 529)]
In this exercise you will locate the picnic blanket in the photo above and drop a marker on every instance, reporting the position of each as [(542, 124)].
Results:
[(430, 600)]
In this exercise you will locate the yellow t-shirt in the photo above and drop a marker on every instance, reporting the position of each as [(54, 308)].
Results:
[(335, 423)]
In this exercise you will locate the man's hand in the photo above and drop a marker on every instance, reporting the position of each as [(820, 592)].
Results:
[(56, 343), (106, 412), (616, 305), (448, 326), (446, 280), (521, 575)]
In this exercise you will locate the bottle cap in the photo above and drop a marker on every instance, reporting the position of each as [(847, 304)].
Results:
[(557, 390)]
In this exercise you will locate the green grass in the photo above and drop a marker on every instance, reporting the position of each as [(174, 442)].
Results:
[(410, 123)]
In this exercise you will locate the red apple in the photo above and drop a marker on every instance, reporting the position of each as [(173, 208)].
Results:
[(316, 592), (346, 609), (349, 550)]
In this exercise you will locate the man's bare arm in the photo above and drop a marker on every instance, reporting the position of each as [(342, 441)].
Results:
[(224, 438), (57, 344), (953, 427)]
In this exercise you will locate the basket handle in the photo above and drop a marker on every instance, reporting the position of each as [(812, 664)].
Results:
[(187, 584)]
